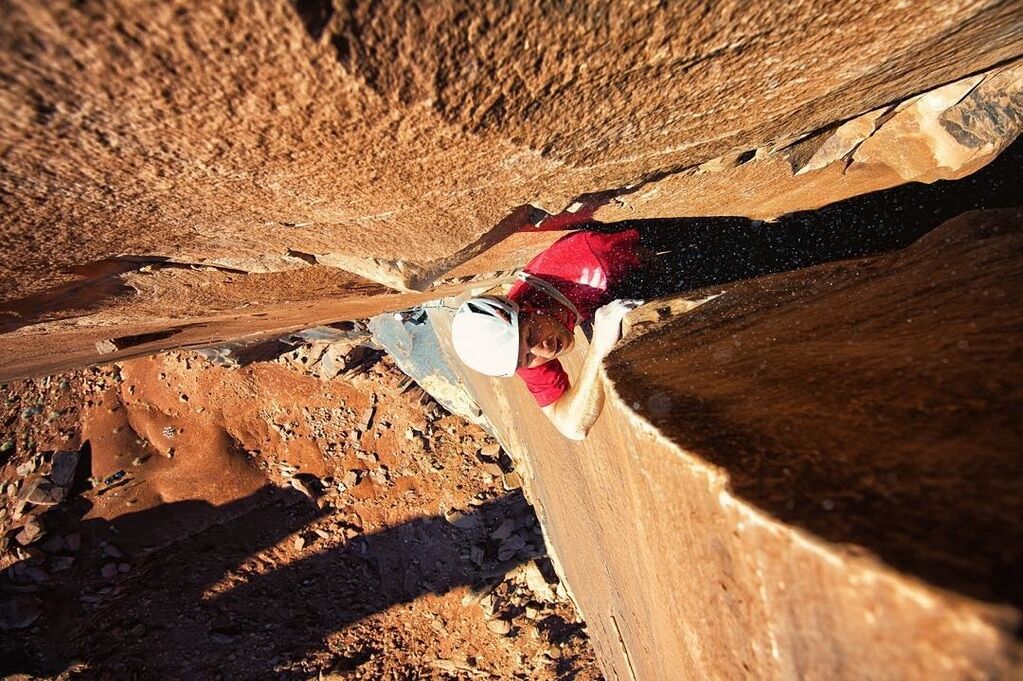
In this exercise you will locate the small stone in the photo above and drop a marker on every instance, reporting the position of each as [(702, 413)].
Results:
[(491, 450), (26, 572), (531, 612), (27, 468), (105, 347), (109, 571), (506, 552), (298, 543), (64, 466), (61, 563), (18, 612), (511, 481), (111, 551), (493, 469), (42, 492), (553, 652), (504, 530), (123, 568), (300, 486), (500, 627), (30, 532), (460, 520), (73, 542), (537, 584), (52, 544)]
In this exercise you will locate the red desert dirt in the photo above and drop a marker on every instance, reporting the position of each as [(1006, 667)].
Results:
[(261, 522)]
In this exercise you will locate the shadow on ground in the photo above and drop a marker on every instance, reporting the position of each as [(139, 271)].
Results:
[(210, 607)]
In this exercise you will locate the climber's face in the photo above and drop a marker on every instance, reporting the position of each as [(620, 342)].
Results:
[(543, 336)]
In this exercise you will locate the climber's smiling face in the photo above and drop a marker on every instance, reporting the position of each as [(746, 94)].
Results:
[(543, 336)]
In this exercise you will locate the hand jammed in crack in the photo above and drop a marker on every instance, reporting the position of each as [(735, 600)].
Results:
[(607, 325), (525, 332)]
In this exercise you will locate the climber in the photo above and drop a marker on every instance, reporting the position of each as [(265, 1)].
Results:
[(526, 331)]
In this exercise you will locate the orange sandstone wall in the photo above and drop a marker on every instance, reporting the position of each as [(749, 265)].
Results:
[(811, 475), (159, 161)]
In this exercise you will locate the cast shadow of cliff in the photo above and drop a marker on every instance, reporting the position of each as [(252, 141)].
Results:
[(209, 606)]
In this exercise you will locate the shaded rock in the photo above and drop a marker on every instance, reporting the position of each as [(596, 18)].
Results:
[(73, 541), (52, 544), (64, 466), (32, 530), (504, 530), (111, 551), (42, 492), (18, 612)]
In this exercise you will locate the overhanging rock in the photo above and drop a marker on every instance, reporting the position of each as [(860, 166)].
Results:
[(811, 475), (272, 154)]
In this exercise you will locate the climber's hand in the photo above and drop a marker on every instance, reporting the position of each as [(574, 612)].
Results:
[(607, 324)]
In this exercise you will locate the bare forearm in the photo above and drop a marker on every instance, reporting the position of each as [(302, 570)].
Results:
[(577, 410)]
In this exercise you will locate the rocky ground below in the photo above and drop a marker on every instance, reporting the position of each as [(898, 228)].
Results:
[(173, 517)]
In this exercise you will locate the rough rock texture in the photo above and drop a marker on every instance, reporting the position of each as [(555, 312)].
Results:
[(946, 133), (396, 140), (809, 475)]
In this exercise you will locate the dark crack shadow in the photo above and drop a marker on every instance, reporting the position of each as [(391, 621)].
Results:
[(700, 252)]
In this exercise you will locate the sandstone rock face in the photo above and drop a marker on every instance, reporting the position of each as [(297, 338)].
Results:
[(394, 141), (944, 134), (814, 474)]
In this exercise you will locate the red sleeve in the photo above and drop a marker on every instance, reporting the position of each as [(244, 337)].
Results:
[(546, 382), (617, 253)]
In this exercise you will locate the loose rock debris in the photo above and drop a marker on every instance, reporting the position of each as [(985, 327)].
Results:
[(306, 527)]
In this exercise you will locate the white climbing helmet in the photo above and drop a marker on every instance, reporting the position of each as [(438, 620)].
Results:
[(485, 333)]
